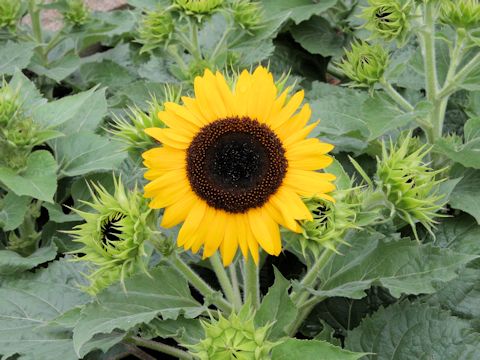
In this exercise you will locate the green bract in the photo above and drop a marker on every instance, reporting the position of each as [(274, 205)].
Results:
[(409, 183), (77, 13), (114, 235), (10, 12), (155, 29), (461, 13), (235, 337), (194, 7), (388, 19), (248, 14), (9, 104), (365, 64)]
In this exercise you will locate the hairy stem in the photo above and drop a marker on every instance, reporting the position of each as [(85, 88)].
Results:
[(224, 280), (199, 284), (427, 38), (235, 284), (164, 348), (395, 96), (252, 283)]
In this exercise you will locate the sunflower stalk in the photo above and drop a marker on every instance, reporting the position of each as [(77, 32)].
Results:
[(198, 283), (252, 283), (163, 348), (224, 281), (236, 287)]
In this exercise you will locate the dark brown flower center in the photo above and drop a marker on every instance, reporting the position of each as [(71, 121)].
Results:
[(236, 164), (110, 229)]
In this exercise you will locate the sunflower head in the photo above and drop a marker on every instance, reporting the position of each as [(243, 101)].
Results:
[(155, 29), (114, 235), (10, 13), (77, 13), (248, 14), (409, 183), (199, 7), (235, 337), (388, 19), (238, 158), (365, 64), (463, 14)]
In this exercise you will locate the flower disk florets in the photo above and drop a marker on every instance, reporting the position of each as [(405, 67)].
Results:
[(235, 337), (409, 183), (388, 19), (365, 64), (114, 235), (461, 13)]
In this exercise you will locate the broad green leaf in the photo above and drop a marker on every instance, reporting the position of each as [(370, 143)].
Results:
[(403, 266), (60, 68), (164, 294), (27, 305), (72, 114), (56, 214), (298, 10), (83, 153), (318, 37), (277, 308), (12, 210), (311, 350), (149, 4), (12, 263), (28, 93), (466, 195), (461, 295), (14, 56), (414, 331), (460, 234), (38, 180), (466, 154), (184, 331), (106, 73)]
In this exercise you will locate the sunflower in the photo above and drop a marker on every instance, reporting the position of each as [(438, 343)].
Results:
[(234, 165)]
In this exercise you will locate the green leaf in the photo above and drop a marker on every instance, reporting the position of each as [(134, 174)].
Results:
[(13, 263), (60, 68), (38, 180), (13, 209), (277, 308), (56, 214), (30, 96), (460, 234), (184, 331), (298, 10), (106, 73), (27, 305), (414, 331), (403, 266), (80, 112), (466, 196), (318, 37), (83, 153), (165, 293), (466, 154), (311, 350), (15, 56)]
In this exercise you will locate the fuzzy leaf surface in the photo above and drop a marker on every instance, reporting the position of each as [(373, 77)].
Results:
[(311, 350)]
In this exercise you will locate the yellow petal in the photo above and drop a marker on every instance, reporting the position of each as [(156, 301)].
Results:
[(171, 137), (177, 212), (286, 113), (309, 183), (216, 233), (192, 222), (242, 228), (184, 113), (295, 123), (229, 245)]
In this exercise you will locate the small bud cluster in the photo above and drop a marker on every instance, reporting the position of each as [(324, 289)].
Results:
[(248, 14), (77, 13), (235, 337), (365, 64), (463, 14), (10, 13), (114, 235), (156, 29), (199, 7)]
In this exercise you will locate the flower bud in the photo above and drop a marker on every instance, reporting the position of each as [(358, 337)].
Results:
[(114, 235), (156, 28), (10, 105), (464, 14), (235, 337), (77, 13), (10, 13), (409, 183), (248, 14), (365, 64), (388, 19), (199, 7)]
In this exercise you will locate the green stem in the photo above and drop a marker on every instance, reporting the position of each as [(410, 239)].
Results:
[(305, 309), (449, 88), (197, 53), (252, 283), (427, 38), (220, 44), (235, 284), (395, 96), (224, 280), (34, 12), (199, 284), (164, 348), (57, 39)]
